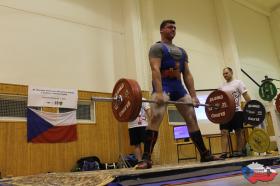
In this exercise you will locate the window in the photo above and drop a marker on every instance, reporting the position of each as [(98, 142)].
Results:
[(200, 111), (174, 117), (13, 107), (206, 126), (85, 111)]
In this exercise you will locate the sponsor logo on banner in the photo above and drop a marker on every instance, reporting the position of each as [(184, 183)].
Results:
[(51, 97), (257, 172)]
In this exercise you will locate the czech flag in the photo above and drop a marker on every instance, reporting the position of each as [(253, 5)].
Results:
[(49, 127)]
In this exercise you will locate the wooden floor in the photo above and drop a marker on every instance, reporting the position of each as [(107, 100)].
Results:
[(131, 176)]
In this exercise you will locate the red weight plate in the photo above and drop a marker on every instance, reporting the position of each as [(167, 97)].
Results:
[(129, 107), (225, 101), (277, 103)]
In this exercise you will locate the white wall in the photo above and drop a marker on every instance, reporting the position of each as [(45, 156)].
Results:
[(85, 44), (256, 48), (275, 27), (136, 56)]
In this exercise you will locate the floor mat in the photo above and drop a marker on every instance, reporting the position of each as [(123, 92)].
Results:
[(77, 178)]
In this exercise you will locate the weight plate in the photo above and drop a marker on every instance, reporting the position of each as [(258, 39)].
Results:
[(259, 140), (254, 112), (267, 91), (277, 103), (226, 103), (128, 107)]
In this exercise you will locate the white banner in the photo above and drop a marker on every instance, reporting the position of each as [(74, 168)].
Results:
[(51, 97)]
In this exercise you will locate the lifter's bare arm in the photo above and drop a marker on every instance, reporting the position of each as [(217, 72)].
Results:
[(155, 64), (189, 82)]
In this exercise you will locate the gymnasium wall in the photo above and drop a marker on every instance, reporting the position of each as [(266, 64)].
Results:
[(106, 139), (70, 44), (78, 43), (255, 44), (275, 27)]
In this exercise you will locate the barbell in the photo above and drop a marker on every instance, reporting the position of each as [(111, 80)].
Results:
[(219, 106), (127, 101)]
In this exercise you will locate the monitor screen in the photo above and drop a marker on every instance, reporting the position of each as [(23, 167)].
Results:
[(181, 132)]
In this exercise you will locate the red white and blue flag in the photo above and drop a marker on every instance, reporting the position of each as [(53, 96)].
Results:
[(49, 127)]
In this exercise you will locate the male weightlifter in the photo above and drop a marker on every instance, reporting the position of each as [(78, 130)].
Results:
[(168, 62)]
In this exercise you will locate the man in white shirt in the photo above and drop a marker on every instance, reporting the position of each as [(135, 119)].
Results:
[(137, 129), (236, 88)]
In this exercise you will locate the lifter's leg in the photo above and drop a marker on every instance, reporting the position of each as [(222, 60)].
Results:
[(189, 116), (151, 135)]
